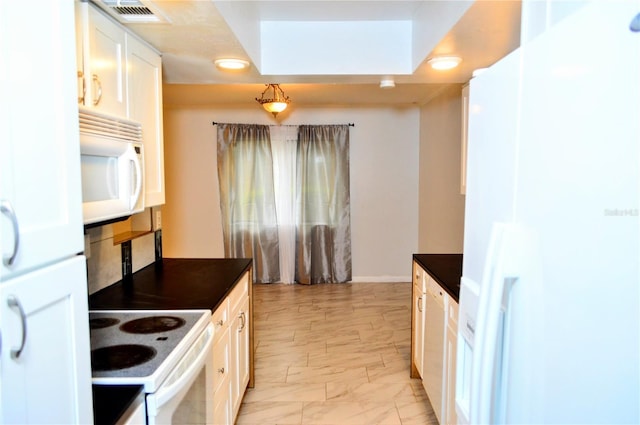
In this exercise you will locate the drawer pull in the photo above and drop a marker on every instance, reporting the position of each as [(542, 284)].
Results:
[(243, 321), (13, 302)]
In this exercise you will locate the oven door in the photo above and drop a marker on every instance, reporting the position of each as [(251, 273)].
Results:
[(187, 393)]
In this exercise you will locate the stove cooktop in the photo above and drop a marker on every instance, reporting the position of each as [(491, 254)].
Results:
[(141, 346)]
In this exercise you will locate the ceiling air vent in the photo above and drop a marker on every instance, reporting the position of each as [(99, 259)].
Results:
[(132, 11)]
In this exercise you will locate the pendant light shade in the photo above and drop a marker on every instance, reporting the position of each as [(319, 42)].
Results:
[(275, 100)]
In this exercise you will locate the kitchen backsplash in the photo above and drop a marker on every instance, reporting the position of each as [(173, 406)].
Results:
[(104, 259)]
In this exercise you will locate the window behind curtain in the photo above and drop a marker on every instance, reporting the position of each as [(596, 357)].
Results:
[(247, 200), (284, 197)]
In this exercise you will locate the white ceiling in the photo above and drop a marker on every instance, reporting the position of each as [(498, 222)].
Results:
[(199, 31)]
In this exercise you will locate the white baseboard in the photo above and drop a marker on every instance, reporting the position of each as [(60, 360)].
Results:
[(378, 279)]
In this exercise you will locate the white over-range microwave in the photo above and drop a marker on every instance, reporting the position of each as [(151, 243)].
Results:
[(112, 164)]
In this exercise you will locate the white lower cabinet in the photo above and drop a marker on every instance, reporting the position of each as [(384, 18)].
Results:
[(434, 347), (418, 317), (449, 412), (434, 337), (231, 352), (221, 400), (239, 335), (45, 367), (221, 391)]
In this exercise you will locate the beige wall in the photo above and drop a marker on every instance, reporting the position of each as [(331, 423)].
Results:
[(441, 206), (405, 171), (384, 182)]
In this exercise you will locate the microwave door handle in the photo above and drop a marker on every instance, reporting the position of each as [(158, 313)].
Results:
[(138, 170)]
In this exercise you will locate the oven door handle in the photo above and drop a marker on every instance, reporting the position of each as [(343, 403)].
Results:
[(183, 374)]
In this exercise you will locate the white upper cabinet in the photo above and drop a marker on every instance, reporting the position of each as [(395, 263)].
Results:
[(41, 219), (103, 61), (144, 94), (120, 75)]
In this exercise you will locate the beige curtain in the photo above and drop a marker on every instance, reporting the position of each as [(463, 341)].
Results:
[(323, 234), (247, 201)]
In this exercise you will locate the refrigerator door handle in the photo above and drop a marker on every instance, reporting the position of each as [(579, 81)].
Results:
[(487, 380)]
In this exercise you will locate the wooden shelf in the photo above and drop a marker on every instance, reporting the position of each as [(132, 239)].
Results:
[(127, 236)]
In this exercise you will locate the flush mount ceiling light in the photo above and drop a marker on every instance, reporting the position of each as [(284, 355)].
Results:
[(387, 83), (277, 102), (442, 63), (231, 64)]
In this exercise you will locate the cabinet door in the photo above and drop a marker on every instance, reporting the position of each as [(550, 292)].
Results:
[(450, 362), (221, 409), (222, 391), (239, 355), (417, 321), (105, 65), (144, 92), (45, 313), (434, 347), (40, 149), (450, 397), (418, 328)]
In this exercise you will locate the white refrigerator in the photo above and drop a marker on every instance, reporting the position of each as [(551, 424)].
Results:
[(549, 323)]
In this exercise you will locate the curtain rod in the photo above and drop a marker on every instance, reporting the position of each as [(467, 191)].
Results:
[(294, 125)]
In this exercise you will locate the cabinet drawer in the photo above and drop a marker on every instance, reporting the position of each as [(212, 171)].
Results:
[(220, 319), (221, 360), (420, 278), (417, 274), (436, 291), (239, 294)]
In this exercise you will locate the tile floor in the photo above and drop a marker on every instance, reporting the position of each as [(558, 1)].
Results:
[(334, 354)]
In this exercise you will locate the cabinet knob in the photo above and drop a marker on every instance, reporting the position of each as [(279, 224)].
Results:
[(221, 371), (220, 322)]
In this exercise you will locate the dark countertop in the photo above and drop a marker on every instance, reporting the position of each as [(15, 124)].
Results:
[(173, 284), (446, 269), (165, 285)]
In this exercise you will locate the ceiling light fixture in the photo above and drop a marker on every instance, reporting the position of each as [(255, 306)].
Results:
[(277, 102), (231, 64), (387, 83), (442, 63)]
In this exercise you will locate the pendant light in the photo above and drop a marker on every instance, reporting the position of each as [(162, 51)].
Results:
[(276, 101)]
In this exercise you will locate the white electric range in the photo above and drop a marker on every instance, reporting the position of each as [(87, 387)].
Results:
[(166, 351)]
